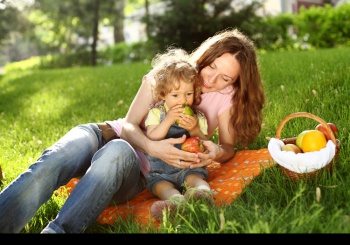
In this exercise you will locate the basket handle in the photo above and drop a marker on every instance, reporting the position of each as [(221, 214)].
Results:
[(308, 115)]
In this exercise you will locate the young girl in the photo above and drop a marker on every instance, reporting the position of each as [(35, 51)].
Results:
[(177, 84)]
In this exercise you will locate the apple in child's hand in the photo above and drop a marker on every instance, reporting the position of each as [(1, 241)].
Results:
[(334, 129), (187, 111), (193, 144), (291, 147)]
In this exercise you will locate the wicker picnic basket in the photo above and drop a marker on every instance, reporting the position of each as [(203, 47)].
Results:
[(310, 175)]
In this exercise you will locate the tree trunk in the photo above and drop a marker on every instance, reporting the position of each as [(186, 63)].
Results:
[(119, 21), (95, 34), (147, 17)]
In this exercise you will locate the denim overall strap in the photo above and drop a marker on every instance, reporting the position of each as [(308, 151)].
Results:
[(175, 131)]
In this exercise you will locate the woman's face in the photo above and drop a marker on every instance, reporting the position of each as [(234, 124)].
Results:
[(223, 72)]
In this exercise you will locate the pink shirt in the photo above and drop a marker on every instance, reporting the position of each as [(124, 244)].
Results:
[(212, 104)]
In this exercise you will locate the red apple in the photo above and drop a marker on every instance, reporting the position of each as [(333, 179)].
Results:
[(193, 144), (334, 129), (291, 147)]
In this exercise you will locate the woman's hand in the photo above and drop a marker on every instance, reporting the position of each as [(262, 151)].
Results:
[(212, 152), (166, 151)]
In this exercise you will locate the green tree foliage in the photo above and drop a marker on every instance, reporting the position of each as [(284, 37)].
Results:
[(187, 23), (66, 31), (12, 20), (74, 24), (324, 27), (274, 32), (8, 15), (13, 23)]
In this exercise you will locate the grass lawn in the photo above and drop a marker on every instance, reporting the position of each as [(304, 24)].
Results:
[(38, 107)]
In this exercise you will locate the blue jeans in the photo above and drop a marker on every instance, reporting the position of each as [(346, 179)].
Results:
[(161, 171), (110, 173)]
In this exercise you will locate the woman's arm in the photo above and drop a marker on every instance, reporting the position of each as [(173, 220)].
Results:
[(222, 152), (226, 138), (132, 132)]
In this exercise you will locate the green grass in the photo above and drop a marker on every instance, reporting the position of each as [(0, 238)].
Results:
[(37, 108)]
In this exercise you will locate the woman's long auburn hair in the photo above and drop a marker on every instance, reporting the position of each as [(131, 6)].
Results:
[(248, 98)]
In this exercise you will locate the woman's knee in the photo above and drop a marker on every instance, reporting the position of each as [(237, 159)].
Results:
[(118, 147), (118, 152)]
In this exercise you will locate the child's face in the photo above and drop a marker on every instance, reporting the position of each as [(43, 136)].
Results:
[(182, 96)]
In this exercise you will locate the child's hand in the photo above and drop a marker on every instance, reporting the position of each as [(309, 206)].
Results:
[(174, 113), (190, 123)]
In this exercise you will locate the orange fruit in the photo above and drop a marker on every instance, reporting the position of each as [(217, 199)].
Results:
[(313, 140), (300, 137)]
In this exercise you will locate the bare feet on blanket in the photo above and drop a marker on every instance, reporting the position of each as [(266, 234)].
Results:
[(168, 208), (194, 194)]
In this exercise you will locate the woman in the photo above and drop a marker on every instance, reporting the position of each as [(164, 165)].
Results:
[(232, 100)]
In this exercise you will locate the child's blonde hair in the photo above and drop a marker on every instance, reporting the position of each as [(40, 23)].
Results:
[(172, 67)]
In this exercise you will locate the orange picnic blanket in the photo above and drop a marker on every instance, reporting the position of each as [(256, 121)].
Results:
[(227, 180)]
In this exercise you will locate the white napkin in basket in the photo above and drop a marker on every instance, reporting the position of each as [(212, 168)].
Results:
[(301, 162)]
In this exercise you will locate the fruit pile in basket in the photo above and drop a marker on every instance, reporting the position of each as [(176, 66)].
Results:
[(310, 153), (311, 140)]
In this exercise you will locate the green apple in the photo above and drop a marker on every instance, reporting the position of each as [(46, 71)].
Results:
[(300, 137), (187, 111), (291, 147)]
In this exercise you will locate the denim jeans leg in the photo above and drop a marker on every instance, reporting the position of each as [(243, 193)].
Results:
[(114, 172), (67, 158)]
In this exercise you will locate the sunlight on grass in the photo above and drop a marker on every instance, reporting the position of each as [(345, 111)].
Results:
[(39, 107)]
